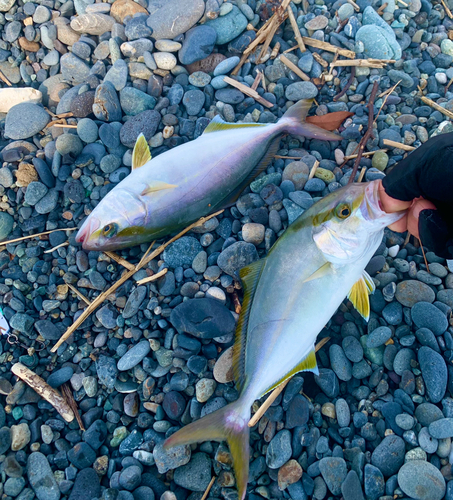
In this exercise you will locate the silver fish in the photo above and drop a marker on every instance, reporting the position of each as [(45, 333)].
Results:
[(200, 177), (288, 298)]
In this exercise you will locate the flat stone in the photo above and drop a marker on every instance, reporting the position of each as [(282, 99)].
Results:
[(41, 477), (86, 486), (409, 292), (134, 356), (174, 17), (388, 456), (334, 471), (172, 458), (434, 372), (24, 120), (229, 26), (92, 23), (196, 475), (421, 480)]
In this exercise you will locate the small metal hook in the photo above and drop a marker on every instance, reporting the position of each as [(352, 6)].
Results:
[(13, 339)]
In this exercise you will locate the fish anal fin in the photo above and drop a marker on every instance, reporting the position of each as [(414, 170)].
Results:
[(218, 125), (369, 282), (358, 295), (319, 273), (141, 153), (260, 167), (308, 364), (157, 186), (250, 276)]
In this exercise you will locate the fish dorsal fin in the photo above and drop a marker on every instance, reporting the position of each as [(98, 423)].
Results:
[(250, 276), (154, 186), (319, 273), (260, 167), (217, 125), (141, 153), (359, 295), (308, 364)]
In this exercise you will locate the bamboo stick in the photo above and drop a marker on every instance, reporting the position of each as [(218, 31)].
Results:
[(436, 106), (154, 277), (296, 30), (64, 244), (100, 298), (447, 10), (120, 260), (15, 240), (312, 42), (273, 396), (79, 293), (44, 390), (398, 145), (313, 170), (362, 63), (294, 68), (248, 91)]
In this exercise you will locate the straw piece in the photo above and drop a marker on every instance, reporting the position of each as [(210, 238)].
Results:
[(312, 42), (399, 145), (257, 80), (78, 293), (208, 489), (5, 80), (447, 10), (362, 174), (36, 235), (296, 30), (294, 68), (313, 170), (403, 3), (248, 91), (436, 106), (362, 63), (356, 7), (320, 60), (120, 260), (64, 244), (44, 390), (61, 125), (100, 298), (154, 277), (263, 408)]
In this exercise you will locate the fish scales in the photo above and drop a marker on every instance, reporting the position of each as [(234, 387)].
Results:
[(289, 296)]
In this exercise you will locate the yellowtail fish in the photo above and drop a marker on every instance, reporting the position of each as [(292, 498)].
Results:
[(176, 188), (288, 298)]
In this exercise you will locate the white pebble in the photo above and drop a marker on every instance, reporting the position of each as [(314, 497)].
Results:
[(441, 78), (393, 251), (165, 60)]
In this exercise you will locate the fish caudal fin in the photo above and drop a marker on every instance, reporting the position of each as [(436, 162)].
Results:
[(294, 122), (229, 423)]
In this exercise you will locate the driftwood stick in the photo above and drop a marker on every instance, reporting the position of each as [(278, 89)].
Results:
[(64, 244), (44, 390), (154, 277), (117, 258), (100, 299), (312, 42), (368, 133), (436, 106), (363, 63), (399, 145), (447, 10), (294, 68), (273, 396), (15, 240), (348, 84), (208, 489), (5, 80), (69, 398), (79, 294), (247, 91), (296, 30)]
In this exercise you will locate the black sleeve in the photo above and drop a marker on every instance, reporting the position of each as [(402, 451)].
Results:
[(428, 172)]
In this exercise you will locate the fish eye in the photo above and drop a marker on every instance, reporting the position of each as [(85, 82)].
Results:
[(110, 230), (342, 211)]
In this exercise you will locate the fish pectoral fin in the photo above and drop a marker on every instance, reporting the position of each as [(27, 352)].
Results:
[(217, 125), (250, 276), (157, 186), (141, 153), (358, 295), (319, 273), (308, 364)]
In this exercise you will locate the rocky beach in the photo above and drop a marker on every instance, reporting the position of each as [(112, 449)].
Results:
[(151, 346)]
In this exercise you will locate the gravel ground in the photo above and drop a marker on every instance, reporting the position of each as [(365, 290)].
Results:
[(377, 422)]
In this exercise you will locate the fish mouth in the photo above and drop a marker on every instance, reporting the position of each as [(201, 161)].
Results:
[(85, 232), (372, 207)]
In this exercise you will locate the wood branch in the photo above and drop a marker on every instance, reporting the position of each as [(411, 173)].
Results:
[(291, 49), (5, 80), (381, 9), (79, 294), (294, 68), (120, 260), (362, 63), (239, 64), (15, 240), (154, 277), (313, 170), (348, 84), (257, 80), (356, 7), (248, 91), (320, 60), (44, 390), (436, 106), (273, 396), (296, 30), (362, 174), (277, 20), (69, 398), (64, 244), (100, 298), (367, 134), (368, 153), (312, 42), (399, 145), (447, 10)]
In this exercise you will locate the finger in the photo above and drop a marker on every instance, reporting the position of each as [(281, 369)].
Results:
[(414, 213), (390, 204), (400, 226)]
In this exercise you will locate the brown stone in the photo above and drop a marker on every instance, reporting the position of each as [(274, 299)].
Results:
[(131, 404), (93, 24), (122, 8), (207, 64), (65, 33), (25, 174), (223, 369), (82, 105), (289, 473)]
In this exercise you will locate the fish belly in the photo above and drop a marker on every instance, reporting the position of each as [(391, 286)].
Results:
[(288, 313)]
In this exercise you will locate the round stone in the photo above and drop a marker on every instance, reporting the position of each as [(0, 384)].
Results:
[(421, 480)]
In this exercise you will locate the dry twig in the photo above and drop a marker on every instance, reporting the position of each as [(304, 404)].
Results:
[(294, 68), (313, 170), (312, 42), (64, 244), (248, 91), (399, 145), (348, 84), (447, 10), (296, 30), (5, 80), (69, 398), (117, 258), (208, 489), (15, 240), (79, 294), (154, 277)]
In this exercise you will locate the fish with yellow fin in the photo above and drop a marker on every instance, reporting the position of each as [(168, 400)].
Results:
[(288, 298), (176, 188)]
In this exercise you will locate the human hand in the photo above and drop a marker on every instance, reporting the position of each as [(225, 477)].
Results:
[(422, 183)]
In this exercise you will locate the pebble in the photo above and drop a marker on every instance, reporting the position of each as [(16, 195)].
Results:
[(422, 480), (228, 26), (434, 372), (279, 450), (426, 315), (388, 456), (198, 43), (24, 120), (334, 472), (196, 475), (41, 477)]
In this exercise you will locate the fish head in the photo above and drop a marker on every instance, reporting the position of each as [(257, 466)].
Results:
[(119, 221), (348, 224)]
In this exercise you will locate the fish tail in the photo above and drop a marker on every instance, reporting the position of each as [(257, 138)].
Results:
[(229, 423), (293, 122)]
